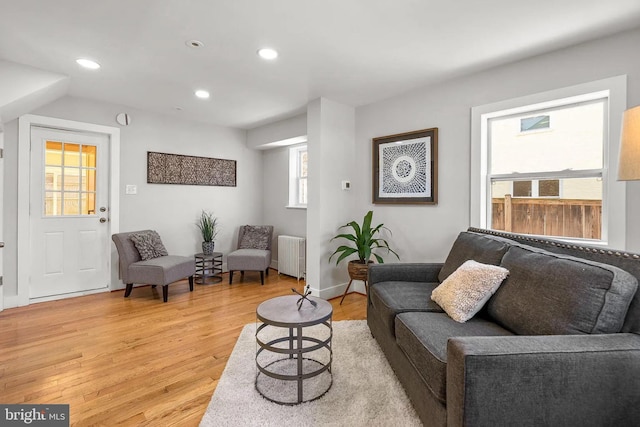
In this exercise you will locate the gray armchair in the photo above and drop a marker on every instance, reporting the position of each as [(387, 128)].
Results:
[(157, 269), (253, 253)]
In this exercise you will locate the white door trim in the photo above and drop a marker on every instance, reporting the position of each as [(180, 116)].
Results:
[(25, 123)]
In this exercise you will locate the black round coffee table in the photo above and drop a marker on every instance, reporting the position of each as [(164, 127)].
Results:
[(294, 355)]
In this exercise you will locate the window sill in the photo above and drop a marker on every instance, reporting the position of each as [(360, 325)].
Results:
[(295, 207)]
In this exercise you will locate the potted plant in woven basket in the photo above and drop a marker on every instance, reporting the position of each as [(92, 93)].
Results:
[(362, 241), (208, 225)]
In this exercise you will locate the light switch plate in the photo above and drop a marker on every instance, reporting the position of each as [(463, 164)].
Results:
[(131, 189)]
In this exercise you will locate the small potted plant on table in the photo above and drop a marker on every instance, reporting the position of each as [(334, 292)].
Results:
[(208, 225)]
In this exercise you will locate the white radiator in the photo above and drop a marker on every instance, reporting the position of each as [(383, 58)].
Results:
[(291, 256)]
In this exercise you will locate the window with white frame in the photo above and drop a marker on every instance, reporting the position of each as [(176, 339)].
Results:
[(546, 167), (298, 176)]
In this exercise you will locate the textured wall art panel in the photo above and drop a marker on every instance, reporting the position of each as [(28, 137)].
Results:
[(405, 167), (163, 168)]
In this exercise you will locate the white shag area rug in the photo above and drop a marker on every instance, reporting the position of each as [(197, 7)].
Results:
[(365, 391)]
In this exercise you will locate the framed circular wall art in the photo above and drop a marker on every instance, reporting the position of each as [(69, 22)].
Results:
[(405, 168)]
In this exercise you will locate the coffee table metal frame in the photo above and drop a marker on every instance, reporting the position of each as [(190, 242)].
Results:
[(278, 312)]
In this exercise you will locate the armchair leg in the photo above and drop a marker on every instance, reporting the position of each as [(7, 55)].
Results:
[(127, 291), (230, 276), (165, 293), (261, 277), (190, 283), (266, 270)]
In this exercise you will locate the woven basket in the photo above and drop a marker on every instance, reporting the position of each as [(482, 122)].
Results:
[(358, 270)]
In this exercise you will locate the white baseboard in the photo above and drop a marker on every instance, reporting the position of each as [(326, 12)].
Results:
[(69, 295), (11, 301), (338, 290)]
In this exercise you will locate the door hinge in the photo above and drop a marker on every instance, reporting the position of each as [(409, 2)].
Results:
[(1, 153)]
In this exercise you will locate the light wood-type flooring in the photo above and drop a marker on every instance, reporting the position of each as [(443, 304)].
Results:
[(135, 361)]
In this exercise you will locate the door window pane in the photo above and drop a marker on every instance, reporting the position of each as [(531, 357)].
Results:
[(88, 180), (71, 204), (53, 203), (89, 156), (70, 178), (53, 153), (71, 154), (53, 178), (88, 203)]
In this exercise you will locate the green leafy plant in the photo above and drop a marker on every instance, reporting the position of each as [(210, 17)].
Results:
[(363, 241), (208, 225)]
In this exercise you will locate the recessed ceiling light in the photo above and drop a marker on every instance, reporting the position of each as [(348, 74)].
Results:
[(202, 94), (267, 53), (87, 63), (194, 43)]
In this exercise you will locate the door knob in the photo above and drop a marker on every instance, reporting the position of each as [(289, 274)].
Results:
[(103, 220)]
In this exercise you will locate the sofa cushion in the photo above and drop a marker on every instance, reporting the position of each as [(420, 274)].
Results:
[(552, 294), (479, 247), (391, 298), (423, 338), (467, 290)]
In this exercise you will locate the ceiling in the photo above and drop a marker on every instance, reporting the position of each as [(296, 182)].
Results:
[(351, 51)]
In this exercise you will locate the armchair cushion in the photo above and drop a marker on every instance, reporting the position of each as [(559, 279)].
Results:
[(249, 259), (162, 270), (148, 244), (255, 237)]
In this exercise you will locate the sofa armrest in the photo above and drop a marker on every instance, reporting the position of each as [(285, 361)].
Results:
[(404, 272), (544, 380)]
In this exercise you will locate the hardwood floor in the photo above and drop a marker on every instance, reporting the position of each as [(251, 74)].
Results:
[(135, 361)]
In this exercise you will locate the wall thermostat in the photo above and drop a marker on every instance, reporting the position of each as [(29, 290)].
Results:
[(346, 185)]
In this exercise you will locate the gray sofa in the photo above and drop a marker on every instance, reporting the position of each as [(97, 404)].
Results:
[(558, 344)]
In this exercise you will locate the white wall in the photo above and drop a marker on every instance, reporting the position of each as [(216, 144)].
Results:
[(283, 132), (289, 221), (170, 209), (330, 129), (23, 88), (425, 233)]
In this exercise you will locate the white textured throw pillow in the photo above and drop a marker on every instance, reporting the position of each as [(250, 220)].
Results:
[(467, 289)]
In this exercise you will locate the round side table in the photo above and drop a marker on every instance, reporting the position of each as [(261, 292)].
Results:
[(208, 268), (294, 355)]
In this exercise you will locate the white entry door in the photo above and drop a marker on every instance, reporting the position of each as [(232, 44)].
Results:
[(68, 213)]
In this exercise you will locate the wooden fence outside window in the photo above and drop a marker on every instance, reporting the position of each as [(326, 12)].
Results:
[(548, 217)]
